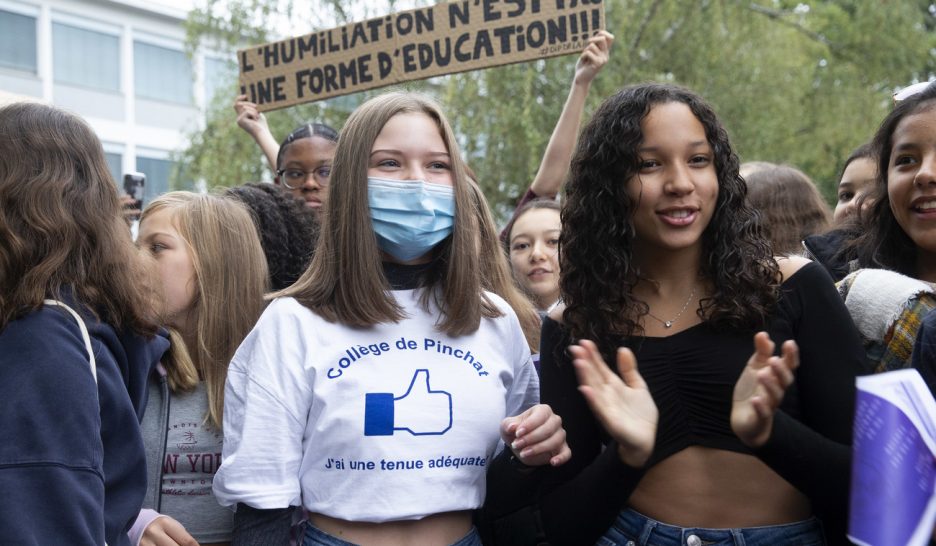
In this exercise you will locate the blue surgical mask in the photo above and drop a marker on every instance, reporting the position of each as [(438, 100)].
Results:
[(410, 217)]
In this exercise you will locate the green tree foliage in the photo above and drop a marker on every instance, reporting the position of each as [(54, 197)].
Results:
[(801, 83)]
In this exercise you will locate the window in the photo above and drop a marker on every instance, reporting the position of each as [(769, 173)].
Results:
[(218, 75), (158, 172), (162, 73), (85, 57), (115, 164), (17, 41)]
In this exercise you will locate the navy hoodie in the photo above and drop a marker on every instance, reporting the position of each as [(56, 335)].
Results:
[(72, 464)]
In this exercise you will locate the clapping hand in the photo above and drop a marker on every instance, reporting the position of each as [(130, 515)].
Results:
[(760, 389), (623, 405)]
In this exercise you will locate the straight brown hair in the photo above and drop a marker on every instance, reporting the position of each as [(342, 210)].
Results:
[(61, 228), (231, 278), (345, 282)]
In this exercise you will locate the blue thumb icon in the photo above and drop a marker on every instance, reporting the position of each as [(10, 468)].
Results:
[(419, 411)]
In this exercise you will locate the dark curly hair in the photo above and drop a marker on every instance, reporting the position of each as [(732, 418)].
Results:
[(878, 241), (597, 252), (288, 230)]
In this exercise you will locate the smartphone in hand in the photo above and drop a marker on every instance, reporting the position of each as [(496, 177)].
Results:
[(133, 187)]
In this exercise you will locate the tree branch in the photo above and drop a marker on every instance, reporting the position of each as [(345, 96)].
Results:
[(779, 16), (635, 43)]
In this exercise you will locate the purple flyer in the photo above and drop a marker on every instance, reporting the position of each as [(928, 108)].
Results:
[(893, 465)]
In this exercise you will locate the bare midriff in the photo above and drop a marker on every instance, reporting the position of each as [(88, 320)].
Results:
[(703, 487), (438, 529)]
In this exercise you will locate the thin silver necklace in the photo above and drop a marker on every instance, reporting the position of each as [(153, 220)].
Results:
[(669, 323)]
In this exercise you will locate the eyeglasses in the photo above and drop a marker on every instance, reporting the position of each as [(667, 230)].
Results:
[(911, 90), (295, 178)]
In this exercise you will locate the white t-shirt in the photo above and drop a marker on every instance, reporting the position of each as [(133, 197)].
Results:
[(397, 421)]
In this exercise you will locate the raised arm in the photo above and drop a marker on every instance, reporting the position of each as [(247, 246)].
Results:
[(254, 123), (555, 165)]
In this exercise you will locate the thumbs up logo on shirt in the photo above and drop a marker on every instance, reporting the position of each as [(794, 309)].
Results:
[(420, 410)]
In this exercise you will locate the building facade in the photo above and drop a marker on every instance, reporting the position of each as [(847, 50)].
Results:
[(121, 65)]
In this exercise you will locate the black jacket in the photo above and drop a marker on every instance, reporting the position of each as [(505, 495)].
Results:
[(827, 249)]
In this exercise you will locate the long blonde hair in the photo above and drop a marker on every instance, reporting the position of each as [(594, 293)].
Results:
[(231, 278), (346, 282)]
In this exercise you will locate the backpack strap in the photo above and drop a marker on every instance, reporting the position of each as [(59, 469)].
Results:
[(84, 334)]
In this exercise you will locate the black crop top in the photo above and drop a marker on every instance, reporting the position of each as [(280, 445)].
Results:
[(691, 376), (693, 396)]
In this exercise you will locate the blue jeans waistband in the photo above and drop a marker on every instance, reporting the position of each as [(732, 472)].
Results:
[(314, 536), (635, 529)]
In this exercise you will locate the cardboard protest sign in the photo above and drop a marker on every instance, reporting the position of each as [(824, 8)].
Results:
[(442, 39)]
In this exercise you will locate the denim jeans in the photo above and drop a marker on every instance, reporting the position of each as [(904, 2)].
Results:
[(634, 529), (316, 537)]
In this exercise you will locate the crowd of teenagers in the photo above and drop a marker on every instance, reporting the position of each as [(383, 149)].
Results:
[(356, 355)]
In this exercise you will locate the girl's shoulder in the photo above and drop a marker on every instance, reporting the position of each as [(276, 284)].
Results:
[(287, 306), (503, 305), (500, 302), (48, 329), (806, 282), (790, 265), (284, 318)]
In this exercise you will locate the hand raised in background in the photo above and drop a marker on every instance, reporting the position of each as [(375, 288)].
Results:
[(593, 57), (254, 123), (249, 118)]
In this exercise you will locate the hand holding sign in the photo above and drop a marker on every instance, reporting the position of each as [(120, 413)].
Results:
[(248, 117), (254, 124), (419, 411), (594, 57)]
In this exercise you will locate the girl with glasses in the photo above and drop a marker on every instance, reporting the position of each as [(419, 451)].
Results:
[(302, 162)]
